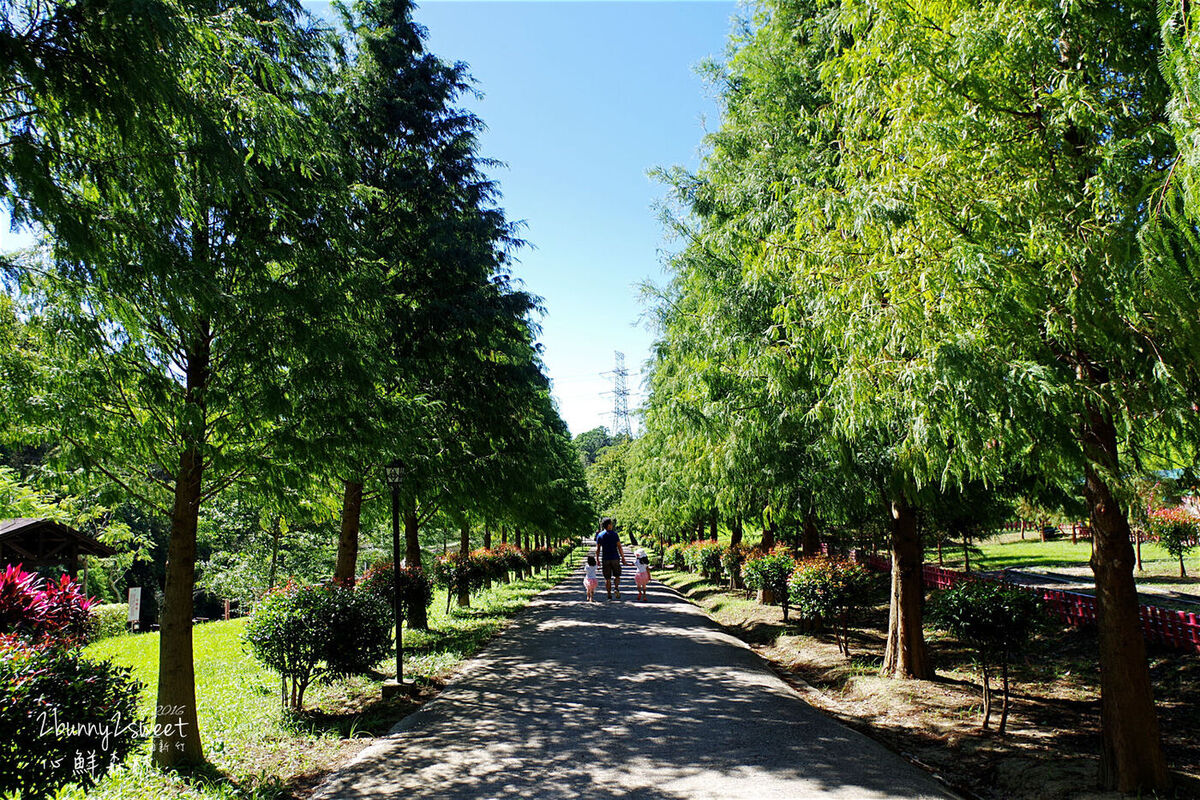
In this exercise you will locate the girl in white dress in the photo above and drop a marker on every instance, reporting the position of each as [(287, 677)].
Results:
[(589, 578), (642, 577)]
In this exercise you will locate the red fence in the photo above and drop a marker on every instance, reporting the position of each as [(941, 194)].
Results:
[(1177, 629)]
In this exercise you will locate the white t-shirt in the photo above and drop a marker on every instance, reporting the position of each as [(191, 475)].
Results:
[(589, 571), (641, 567)]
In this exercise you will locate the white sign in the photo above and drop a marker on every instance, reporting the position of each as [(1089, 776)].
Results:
[(135, 604)]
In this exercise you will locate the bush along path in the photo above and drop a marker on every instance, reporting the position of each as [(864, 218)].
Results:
[(622, 699), (258, 749)]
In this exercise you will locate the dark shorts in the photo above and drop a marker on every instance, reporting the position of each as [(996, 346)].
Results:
[(612, 568)]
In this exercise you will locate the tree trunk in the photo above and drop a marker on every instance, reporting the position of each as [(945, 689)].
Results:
[(418, 618), (987, 696), (503, 534), (1022, 530), (966, 552), (1132, 756), (768, 537), (811, 538), (712, 525), (347, 552), (905, 656), (735, 535), (487, 535), (1004, 707), (177, 732), (464, 547), (275, 532)]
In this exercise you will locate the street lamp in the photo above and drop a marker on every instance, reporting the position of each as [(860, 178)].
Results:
[(394, 473)]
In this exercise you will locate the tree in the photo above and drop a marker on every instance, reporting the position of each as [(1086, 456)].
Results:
[(996, 621), (173, 313), (590, 443), (1010, 164)]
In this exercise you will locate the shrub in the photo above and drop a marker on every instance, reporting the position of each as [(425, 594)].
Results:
[(318, 634), (770, 573), (459, 573), (830, 589), (1177, 531), (36, 610), (491, 564), (994, 619), (732, 558), (514, 558), (673, 557), (416, 591), (108, 620), (66, 719), (21, 609), (704, 557)]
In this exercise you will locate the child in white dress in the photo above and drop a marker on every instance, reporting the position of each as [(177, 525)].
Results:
[(590, 582), (642, 577)]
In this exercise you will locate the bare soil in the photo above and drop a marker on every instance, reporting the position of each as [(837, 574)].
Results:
[(1051, 748)]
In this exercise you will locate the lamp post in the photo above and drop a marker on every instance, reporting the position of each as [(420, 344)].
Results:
[(395, 474)]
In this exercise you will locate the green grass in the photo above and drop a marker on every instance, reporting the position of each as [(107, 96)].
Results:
[(255, 749), (1159, 569)]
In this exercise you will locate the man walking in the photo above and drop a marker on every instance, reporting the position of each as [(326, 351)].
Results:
[(611, 556)]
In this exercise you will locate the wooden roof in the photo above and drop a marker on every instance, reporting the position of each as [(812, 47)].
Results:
[(43, 538)]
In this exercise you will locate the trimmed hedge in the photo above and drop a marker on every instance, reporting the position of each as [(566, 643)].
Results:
[(110, 619), (318, 634)]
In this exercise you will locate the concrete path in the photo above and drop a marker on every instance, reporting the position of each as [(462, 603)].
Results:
[(622, 699)]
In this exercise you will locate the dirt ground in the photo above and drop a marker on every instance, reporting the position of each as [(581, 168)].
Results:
[(1051, 750)]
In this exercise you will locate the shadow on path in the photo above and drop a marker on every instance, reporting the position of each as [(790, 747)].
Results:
[(622, 699)]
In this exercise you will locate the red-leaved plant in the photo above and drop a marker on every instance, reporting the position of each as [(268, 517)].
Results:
[(38, 610)]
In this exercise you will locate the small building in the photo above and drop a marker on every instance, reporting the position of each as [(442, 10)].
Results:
[(41, 544)]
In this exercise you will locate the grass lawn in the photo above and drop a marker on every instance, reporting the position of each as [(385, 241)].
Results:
[(1159, 570), (255, 749)]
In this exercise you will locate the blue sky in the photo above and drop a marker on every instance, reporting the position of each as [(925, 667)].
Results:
[(581, 100)]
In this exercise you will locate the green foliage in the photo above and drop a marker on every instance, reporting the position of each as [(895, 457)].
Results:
[(995, 619), (590, 443), (770, 573), (706, 557), (459, 572), (833, 590), (66, 719), (416, 590), (319, 633), (1177, 531), (110, 619), (675, 556), (829, 588)]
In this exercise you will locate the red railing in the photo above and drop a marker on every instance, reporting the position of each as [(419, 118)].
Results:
[(1177, 629)]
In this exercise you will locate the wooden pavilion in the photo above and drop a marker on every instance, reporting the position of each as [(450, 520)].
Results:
[(39, 544)]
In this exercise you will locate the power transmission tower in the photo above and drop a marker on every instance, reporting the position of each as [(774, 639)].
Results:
[(620, 412)]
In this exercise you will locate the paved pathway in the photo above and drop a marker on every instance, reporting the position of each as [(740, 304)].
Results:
[(622, 700)]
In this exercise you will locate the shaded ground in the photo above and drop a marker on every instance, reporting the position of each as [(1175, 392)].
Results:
[(623, 699), (1053, 742)]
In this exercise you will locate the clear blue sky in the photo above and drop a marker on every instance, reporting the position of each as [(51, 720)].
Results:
[(581, 99)]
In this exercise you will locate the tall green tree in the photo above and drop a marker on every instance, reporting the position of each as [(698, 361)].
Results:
[(172, 312), (1000, 171)]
